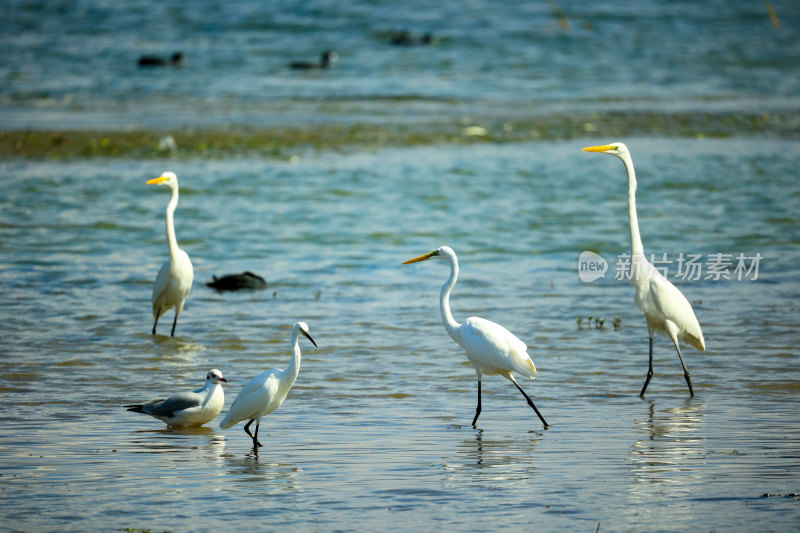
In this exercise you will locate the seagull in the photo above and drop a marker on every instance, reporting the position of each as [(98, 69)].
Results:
[(188, 409)]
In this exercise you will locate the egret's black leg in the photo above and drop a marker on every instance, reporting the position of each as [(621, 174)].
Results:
[(247, 430), (255, 439), (174, 323), (478, 409), (530, 402), (158, 314), (685, 372), (650, 370)]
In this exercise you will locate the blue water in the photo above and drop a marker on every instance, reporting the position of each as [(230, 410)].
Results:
[(74, 63), (376, 433)]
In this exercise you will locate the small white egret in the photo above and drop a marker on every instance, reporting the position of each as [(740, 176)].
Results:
[(267, 391), (666, 309), (490, 347), (188, 409), (174, 280)]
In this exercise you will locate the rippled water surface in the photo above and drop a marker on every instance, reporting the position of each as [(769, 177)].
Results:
[(376, 433), (73, 64), (377, 428)]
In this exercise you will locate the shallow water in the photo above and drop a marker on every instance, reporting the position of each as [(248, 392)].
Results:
[(376, 432), (73, 64), (377, 429)]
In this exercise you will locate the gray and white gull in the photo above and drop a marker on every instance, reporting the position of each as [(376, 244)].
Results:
[(188, 409)]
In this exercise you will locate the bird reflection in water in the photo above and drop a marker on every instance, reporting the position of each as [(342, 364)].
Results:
[(250, 468), (672, 444), (191, 440), (175, 348), (493, 462)]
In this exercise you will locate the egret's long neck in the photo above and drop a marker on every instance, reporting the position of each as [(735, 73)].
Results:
[(449, 322), (636, 238), (172, 241), (294, 365)]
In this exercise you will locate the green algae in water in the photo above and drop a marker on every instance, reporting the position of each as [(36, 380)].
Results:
[(288, 143)]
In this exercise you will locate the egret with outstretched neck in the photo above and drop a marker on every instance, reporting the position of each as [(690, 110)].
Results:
[(267, 391), (174, 279), (491, 348), (666, 309)]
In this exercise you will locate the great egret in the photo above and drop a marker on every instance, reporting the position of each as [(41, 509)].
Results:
[(188, 409), (174, 280), (234, 282), (490, 347), (666, 309), (267, 391)]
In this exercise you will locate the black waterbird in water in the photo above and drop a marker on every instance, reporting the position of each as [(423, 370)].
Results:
[(235, 282), (328, 57)]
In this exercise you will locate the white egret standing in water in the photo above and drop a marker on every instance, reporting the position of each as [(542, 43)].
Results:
[(666, 309), (267, 391), (490, 347), (174, 280)]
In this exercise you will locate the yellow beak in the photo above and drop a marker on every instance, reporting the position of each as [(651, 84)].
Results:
[(423, 257), (603, 148), (156, 181)]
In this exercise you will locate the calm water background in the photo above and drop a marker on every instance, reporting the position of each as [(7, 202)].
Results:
[(376, 434), (71, 63)]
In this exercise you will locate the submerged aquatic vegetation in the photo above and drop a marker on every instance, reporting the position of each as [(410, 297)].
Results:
[(289, 142)]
